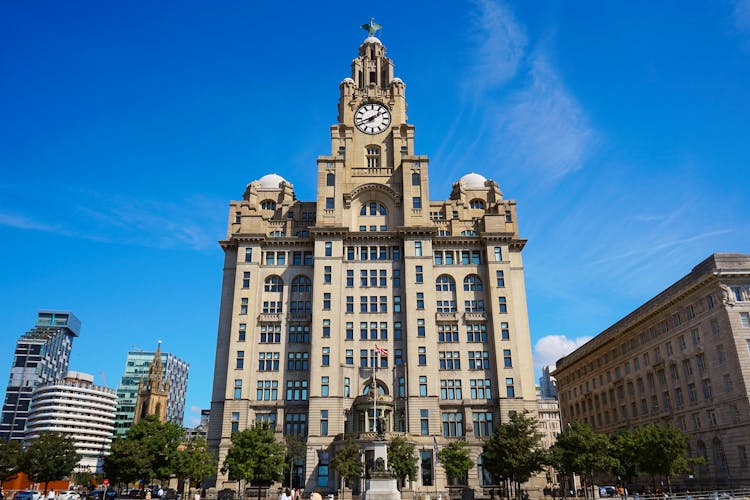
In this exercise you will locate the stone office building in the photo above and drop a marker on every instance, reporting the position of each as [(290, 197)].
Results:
[(314, 291), (681, 358)]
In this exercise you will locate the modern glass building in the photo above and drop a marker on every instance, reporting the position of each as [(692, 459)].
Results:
[(136, 368), (42, 355)]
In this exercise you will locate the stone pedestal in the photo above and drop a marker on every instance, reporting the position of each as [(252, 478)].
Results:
[(382, 484)]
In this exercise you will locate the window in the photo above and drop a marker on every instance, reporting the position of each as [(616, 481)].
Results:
[(330, 179), (349, 278), (397, 330), (504, 331), (323, 422), (268, 390), (373, 157), (416, 202), (508, 217), (363, 358), (707, 392), (479, 360), (449, 360), (498, 254), (474, 305), (240, 360), (453, 425), (744, 321), (448, 333), (422, 385), (237, 217), (326, 356), (737, 291), (446, 306), (421, 330), (349, 304), (324, 381), (349, 357), (246, 280), (237, 388), (480, 389), (500, 277), (301, 284), (242, 332), (422, 355), (327, 274), (420, 300), (268, 205), (248, 254), (270, 333), (330, 205), (476, 332), (509, 388), (507, 361), (349, 331), (503, 304), (296, 390), (326, 328), (299, 334), (418, 248), (419, 276), (696, 336), (326, 301), (472, 283), (398, 357), (445, 283), (328, 248), (347, 387), (482, 423), (397, 303), (298, 361), (273, 284), (692, 394), (295, 423), (450, 389), (243, 305), (424, 422), (396, 278)]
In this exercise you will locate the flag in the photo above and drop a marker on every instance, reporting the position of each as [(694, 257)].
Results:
[(435, 449), (381, 350)]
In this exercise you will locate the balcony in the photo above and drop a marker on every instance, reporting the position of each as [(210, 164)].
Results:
[(269, 317), (475, 316), (450, 317)]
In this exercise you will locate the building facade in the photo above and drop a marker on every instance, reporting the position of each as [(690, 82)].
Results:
[(42, 355), (371, 302), (74, 406), (547, 383), (153, 392), (681, 358), (136, 369)]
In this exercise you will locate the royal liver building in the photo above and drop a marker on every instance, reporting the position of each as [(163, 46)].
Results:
[(372, 291)]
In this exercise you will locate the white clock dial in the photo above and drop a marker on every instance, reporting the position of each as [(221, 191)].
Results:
[(372, 118)]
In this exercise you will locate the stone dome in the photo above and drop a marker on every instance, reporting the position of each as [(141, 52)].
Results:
[(473, 181), (372, 39), (271, 181), (347, 80), (397, 80)]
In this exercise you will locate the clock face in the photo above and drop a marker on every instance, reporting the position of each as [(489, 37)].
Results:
[(372, 118)]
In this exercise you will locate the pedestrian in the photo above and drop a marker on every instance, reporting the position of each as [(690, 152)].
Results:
[(148, 493), (160, 493), (197, 495), (51, 495), (316, 495), (285, 494)]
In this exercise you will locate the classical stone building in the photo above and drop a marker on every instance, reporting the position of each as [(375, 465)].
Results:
[(681, 358), (153, 391), (371, 289)]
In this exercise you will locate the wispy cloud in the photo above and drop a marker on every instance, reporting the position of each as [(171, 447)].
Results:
[(193, 222), (549, 349), (741, 14)]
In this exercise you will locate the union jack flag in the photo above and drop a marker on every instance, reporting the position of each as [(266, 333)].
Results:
[(383, 351)]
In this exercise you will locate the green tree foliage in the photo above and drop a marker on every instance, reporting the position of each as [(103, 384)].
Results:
[(50, 457), (255, 456), (348, 461), (147, 452), (402, 460), (193, 461), (582, 451), (11, 457), (296, 450), (625, 451), (514, 451), (456, 461), (662, 450)]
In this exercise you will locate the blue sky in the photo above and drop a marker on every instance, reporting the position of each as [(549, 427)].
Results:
[(621, 129)]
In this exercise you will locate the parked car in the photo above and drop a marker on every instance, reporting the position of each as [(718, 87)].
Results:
[(27, 495), (135, 493), (68, 495), (607, 491), (101, 495)]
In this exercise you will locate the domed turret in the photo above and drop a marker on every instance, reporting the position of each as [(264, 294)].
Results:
[(271, 181), (473, 181)]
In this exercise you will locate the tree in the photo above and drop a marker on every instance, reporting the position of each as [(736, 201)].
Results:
[(296, 450), (255, 456), (662, 450), (193, 462), (580, 450), (147, 452), (11, 456), (625, 451), (348, 461), (50, 457), (456, 460), (402, 460), (513, 452)]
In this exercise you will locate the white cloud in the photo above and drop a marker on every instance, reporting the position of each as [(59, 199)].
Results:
[(549, 349), (500, 41), (23, 222), (542, 127)]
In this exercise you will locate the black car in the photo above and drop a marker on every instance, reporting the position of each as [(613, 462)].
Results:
[(101, 495)]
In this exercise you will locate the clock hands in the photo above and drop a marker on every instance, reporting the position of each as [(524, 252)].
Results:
[(371, 118)]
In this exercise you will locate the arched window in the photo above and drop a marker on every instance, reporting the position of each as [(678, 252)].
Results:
[(373, 157), (415, 179), (476, 203), (473, 283), (330, 179), (719, 458), (702, 452), (301, 284), (445, 283), (273, 284), (381, 389), (268, 205), (276, 234)]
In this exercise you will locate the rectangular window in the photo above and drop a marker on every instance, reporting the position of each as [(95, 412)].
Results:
[(270, 333), (330, 205), (424, 422), (744, 321), (324, 381), (507, 361), (349, 278), (270, 258), (328, 248), (509, 388), (349, 331), (295, 423), (450, 389), (350, 356), (416, 202), (323, 422), (504, 331), (437, 258), (482, 423), (420, 300), (327, 274), (248, 254), (281, 258), (453, 424), (500, 276), (243, 305), (242, 332), (422, 385), (503, 304), (448, 333), (480, 389), (268, 390), (326, 328), (235, 421), (308, 258), (476, 257), (422, 355), (418, 248), (419, 275), (237, 388), (398, 358), (296, 390), (397, 330), (298, 361), (347, 387), (349, 304), (396, 303), (449, 360), (326, 356), (240, 360), (464, 257), (246, 280), (421, 329), (498, 254)]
